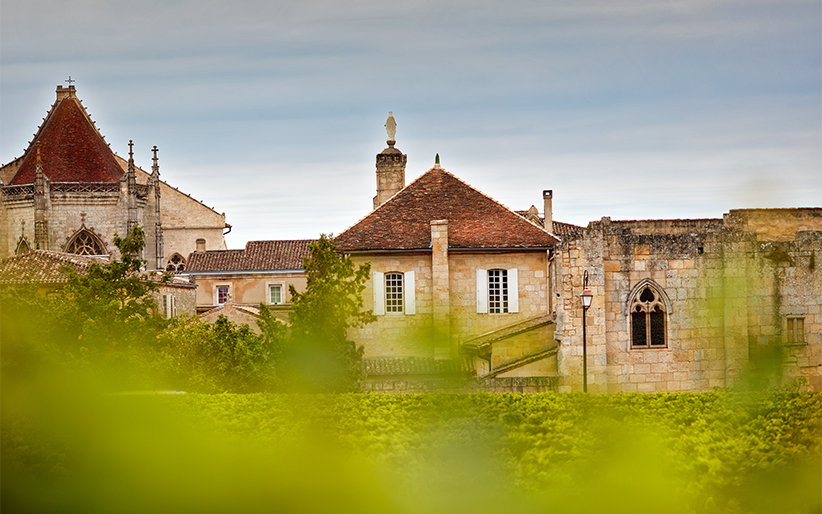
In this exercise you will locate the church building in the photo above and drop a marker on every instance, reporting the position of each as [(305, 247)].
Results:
[(69, 192)]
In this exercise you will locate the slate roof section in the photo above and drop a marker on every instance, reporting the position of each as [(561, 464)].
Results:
[(257, 256), (475, 220), (46, 267), (399, 366), (71, 148)]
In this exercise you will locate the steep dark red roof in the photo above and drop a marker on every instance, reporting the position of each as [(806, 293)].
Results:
[(474, 219), (71, 149), (258, 255)]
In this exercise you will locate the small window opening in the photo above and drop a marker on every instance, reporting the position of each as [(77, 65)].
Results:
[(393, 292)]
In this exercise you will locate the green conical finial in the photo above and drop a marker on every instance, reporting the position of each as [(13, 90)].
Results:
[(437, 160)]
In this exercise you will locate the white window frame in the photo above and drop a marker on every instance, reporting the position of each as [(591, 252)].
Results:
[(483, 300), (268, 288), (409, 302), (169, 305), (217, 293)]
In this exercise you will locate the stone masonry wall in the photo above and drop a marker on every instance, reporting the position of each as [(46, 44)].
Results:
[(729, 295)]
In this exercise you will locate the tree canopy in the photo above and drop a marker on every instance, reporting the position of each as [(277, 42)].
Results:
[(319, 355)]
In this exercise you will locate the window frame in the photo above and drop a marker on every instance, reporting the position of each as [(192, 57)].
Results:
[(270, 287), (484, 291), (394, 292), (409, 292), (217, 288), (177, 267), (658, 307), (791, 332)]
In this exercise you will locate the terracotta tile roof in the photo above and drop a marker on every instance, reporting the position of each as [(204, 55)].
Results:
[(43, 267), (560, 228), (72, 150), (46, 267), (381, 366), (474, 219), (257, 255), (247, 309)]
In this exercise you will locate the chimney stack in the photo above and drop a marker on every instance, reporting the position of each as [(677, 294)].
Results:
[(390, 166), (547, 196), (201, 245)]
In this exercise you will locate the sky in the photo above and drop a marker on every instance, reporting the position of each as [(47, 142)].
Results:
[(273, 111)]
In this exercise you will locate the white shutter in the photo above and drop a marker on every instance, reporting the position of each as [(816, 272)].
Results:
[(482, 291), (409, 293), (173, 305), (378, 283), (165, 305), (513, 291)]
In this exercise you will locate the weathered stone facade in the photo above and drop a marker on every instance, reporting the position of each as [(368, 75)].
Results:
[(70, 193), (729, 287)]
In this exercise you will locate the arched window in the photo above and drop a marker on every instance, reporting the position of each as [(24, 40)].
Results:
[(176, 263), (393, 292), (22, 247), (648, 317), (85, 243)]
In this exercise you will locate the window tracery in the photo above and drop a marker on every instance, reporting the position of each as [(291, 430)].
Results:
[(176, 264), (85, 243), (648, 319)]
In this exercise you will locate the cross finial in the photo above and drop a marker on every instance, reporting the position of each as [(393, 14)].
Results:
[(70, 81), (82, 218), (130, 149), (155, 154)]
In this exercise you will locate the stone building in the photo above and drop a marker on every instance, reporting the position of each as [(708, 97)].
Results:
[(69, 192), (260, 273), (693, 304), (455, 275), (678, 305)]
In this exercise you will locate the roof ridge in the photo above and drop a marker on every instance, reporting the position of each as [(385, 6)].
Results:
[(422, 198), (489, 197)]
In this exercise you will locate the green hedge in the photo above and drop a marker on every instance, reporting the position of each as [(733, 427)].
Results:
[(676, 452)]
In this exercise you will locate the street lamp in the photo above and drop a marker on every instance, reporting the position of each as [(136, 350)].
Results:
[(586, 296)]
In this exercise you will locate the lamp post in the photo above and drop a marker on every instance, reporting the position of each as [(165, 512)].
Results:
[(586, 296)]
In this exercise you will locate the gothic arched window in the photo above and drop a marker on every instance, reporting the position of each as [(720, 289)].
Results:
[(85, 243), (176, 263), (22, 247), (648, 318)]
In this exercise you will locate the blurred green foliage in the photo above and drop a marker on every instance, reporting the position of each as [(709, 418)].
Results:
[(318, 355), (686, 452)]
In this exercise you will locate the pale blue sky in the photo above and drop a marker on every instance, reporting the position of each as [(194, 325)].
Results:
[(273, 112)]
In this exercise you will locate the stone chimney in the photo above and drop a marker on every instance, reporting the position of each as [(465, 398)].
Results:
[(441, 289), (63, 92), (200, 245), (390, 167), (547, 197)]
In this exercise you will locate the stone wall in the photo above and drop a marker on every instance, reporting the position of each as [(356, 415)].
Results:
[(728, 295), (399, 334), (461, 385)]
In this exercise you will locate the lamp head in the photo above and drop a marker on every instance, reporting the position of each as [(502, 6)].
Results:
[(586, 296)]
